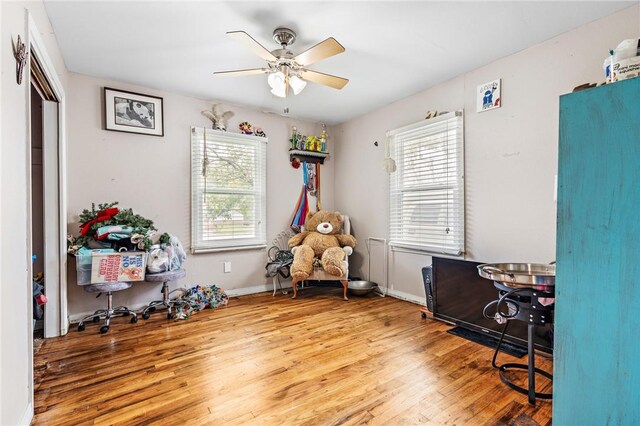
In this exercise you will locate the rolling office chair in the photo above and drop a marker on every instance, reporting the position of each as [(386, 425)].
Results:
[(110, 312)]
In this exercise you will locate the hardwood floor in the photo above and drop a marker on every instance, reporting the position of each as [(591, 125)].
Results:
[(274, 361)]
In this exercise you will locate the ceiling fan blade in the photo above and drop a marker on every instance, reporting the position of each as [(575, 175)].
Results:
[(250, 43), (320, 51), (236, 73), (325, 79)]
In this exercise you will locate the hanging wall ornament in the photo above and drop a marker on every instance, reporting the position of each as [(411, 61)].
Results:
[(318, 204), (20, 53)]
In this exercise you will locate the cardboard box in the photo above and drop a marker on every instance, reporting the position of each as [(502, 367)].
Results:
[(117, 267), (627, 68)]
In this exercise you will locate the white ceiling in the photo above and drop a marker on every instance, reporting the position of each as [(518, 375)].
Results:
[(393, 49)]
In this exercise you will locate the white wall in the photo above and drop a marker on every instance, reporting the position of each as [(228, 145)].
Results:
[(151, 175), (15, 285), (511, 152)]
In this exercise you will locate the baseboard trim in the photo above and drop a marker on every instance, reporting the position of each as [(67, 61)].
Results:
[(244, 291), (235, 292), (27, 417), (407, 297), (75, 318)]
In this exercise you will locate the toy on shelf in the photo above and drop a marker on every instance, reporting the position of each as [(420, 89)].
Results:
[(245, 128), (218, 117), (310, 148)]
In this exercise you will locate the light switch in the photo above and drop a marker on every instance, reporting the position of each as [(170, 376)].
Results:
[(227, 267)]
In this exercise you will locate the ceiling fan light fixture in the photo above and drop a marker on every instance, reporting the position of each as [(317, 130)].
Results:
[(278, 83), (276, 80), (297, 84), (280, 92)]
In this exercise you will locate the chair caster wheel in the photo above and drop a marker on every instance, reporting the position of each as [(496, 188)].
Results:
[(145, 315), (125, 313), (96, 319), (80, 327), (169, 315), (104, 329), (423, 315), (134, 320)]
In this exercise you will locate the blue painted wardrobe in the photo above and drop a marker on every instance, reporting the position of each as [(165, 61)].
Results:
[(597, 316)]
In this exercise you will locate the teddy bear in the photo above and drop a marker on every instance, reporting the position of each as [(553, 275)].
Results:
[(321, 239)]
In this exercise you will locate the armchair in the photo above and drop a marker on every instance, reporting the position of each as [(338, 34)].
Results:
[(318, 273)]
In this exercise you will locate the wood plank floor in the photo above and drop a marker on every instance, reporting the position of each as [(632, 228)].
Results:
[(267, 360)]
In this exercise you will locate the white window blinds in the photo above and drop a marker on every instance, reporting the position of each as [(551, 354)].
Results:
[(427, 189), (228, 190)]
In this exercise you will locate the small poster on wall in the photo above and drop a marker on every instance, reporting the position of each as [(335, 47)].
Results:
[(489, 96)]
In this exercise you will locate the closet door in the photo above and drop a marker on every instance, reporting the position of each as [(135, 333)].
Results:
[(50, 171), (597, 321)]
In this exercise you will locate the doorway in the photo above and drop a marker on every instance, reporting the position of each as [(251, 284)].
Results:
[(45, 120), (45, 203)]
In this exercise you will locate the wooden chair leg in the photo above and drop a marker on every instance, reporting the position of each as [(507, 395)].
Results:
[(345, 285)]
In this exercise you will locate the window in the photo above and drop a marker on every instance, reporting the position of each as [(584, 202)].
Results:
[(427, 189), (228, 195)]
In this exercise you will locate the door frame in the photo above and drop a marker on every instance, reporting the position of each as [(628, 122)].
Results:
[(59, 325)]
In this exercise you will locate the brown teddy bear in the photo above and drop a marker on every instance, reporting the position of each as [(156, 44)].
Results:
[(321, 239)]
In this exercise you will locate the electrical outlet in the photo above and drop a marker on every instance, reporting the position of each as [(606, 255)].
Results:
[(227, 267)]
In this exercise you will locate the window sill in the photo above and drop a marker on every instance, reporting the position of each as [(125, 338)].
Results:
[(425, 251), (227, 249)]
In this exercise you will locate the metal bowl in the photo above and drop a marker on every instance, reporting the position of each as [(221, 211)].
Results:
[(361, 288), (520, 275)]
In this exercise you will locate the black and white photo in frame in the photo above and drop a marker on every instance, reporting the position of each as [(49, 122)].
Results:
[(133, 112)]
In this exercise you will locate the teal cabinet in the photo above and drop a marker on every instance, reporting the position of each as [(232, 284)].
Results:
[(597, 321)]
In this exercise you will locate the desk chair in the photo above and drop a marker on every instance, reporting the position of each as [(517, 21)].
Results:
[(110, 312), (164, 278)]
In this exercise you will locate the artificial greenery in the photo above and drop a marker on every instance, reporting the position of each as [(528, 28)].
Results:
[(142, 227)]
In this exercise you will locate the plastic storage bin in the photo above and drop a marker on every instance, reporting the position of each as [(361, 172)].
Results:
[(83, 264)]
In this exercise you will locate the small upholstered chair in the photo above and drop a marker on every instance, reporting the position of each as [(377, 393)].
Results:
[(110, 312), (320, 275)]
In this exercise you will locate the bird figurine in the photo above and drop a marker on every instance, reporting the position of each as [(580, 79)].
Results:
[(218, 117)]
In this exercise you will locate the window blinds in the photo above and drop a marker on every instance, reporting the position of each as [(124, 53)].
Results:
[(427, 189), (228, 190)]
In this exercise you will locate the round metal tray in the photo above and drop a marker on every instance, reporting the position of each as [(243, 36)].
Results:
[(520, 275), (361, 288)]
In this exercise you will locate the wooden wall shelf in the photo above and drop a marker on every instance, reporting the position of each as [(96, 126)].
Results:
[(308, 156)]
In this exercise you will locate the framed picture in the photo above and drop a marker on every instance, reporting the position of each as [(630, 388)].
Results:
[(133, 112), (488, 96)]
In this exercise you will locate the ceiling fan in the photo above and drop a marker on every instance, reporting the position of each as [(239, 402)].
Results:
[(283, 68)]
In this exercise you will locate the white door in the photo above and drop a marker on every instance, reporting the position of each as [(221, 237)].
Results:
[(50, 175)]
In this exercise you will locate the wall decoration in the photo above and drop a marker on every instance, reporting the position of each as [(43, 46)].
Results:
[(489, 96), (133, 112), (219, 118), (20, 54)]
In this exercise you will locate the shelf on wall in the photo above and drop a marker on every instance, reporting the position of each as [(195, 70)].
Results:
[(308, 156)]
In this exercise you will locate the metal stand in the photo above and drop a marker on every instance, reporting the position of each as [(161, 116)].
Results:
[(524, 305), (530, 367)]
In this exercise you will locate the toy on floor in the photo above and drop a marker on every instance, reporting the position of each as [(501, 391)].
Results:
[(199, 298), (320, 240)]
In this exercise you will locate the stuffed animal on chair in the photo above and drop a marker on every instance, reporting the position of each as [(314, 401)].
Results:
[(321, 239)]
